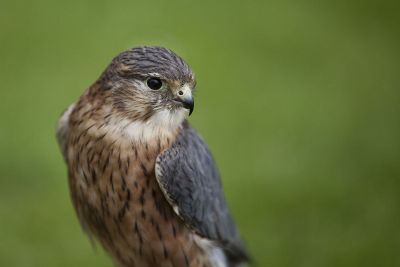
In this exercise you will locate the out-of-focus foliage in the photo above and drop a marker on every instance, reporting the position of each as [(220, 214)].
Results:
[(299, 101)]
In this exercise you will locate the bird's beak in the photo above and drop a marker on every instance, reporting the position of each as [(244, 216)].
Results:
[(184, 95)]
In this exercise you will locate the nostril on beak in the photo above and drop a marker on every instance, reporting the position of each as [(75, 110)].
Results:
[(185, 97)]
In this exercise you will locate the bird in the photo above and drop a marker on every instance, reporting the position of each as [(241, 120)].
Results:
[(142, 181)]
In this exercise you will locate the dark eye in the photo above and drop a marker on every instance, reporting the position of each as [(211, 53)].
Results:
[(154, 83)]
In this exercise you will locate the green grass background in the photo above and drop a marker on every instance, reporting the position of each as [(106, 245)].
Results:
[(299, 101)]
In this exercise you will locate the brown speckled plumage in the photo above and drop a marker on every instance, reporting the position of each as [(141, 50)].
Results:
[(111, 169)]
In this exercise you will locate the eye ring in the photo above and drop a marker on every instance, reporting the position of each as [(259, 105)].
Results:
[(154, 83)]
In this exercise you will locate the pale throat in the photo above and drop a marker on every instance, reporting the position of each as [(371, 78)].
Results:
[(163, 124)]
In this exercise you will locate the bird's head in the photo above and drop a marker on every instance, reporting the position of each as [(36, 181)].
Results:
[(149, 84)]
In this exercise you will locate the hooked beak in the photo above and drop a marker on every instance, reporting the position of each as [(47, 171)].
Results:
[(184, 96)]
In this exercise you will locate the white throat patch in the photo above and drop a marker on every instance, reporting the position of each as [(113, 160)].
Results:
[(162, 124)]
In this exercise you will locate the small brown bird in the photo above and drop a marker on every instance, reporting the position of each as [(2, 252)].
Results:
[(142, 181)]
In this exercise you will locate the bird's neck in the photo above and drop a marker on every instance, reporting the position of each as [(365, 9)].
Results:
[(143, 132), (103, 122)]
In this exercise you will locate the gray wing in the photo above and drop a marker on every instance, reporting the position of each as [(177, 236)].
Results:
[(187, 175), (63, 130)]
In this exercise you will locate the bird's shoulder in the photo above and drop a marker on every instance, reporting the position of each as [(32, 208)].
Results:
[(63, 129)]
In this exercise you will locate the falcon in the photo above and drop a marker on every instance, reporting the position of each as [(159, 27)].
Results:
[(142, 181)]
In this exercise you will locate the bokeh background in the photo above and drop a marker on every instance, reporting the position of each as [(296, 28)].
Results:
[(299, 101)]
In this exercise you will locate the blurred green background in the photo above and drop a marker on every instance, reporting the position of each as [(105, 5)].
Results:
[(299, 101)]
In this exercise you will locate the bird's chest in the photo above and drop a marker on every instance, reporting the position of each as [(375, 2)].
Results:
[(118, 200)]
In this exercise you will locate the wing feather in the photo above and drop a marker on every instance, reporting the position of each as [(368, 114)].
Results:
[(190, 181)]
